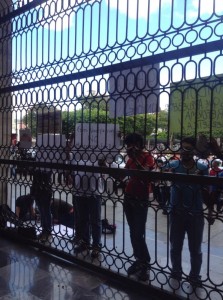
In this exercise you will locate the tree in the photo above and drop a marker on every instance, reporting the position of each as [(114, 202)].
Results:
[(94, 115), (162, 120), (95, 110), (30, 120), (143, 124)]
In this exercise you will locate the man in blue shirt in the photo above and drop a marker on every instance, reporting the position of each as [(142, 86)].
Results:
[(186, 213)]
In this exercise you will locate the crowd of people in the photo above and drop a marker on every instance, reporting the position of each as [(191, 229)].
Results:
[(181, 200)]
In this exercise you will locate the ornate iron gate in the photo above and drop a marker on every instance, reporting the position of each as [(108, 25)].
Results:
[(76, 77)]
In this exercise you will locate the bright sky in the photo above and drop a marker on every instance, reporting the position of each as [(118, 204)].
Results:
[(100, 24), (105, 25)]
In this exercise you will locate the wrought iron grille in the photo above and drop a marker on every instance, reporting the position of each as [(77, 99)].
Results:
[(76, 77)]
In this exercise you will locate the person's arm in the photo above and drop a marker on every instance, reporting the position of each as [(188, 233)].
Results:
[(32, 210), (17, 211), (215, 148), (120, 181), (150, 164), (207, 198), (147, 163)]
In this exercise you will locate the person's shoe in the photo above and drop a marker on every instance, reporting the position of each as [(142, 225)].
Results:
[(176, 275), (96, 249), (95, 252), (134, 268), (195, 280), (81, 246), (219, 207), (75, 240), (106, 227), (44, 236), (143, 274)]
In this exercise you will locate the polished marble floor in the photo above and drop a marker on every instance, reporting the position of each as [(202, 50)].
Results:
[(27, 273)]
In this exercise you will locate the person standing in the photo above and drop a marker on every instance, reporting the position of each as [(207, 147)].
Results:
[(41, 191), (87, 188), (215, 191), (136, 203), (186, 213)]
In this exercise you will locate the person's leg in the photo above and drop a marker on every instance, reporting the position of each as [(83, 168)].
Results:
[(45, 213), (177, 234), (162, 196), (195, 227), (60, 177), (96, 224), (129, 211), (156, 193), (166, 199), (13, 171), (17, 211), (76, 220), (68, 220), (41, 191), (218, 201), (81, 208), (95, 219), (136, 215), (129, 214), (167, 195), (212, 198)]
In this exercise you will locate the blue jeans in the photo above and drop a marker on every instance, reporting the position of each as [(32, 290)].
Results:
[(136, 214), (88, 218), (193, 225)]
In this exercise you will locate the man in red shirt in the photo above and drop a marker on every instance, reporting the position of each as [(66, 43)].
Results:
[(136, 203)]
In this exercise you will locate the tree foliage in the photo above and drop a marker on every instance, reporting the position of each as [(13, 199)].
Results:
[(95, 115), (96, 111)]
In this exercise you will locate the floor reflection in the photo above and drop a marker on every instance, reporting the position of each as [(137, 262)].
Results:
[(26, 273)]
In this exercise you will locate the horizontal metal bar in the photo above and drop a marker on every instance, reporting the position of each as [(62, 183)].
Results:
[(171, 55), (120, 172), (21, 10)]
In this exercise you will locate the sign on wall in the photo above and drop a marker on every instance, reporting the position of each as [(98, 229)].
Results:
[(196, 108), (134, 91), (97, 138)]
